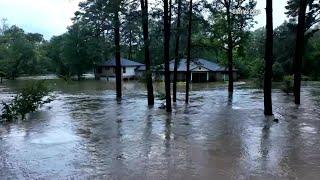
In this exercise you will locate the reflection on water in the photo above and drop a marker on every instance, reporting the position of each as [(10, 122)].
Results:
[(85, 133)]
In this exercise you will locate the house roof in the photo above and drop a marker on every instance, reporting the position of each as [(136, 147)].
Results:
[(124, 63), (208, 65)]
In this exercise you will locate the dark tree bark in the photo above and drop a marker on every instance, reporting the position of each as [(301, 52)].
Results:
[(130, 45), (299, 50), (166, 55), (230, 48), (144, 9), (188, 54), (268, 61), (176, 60), (117, 54)]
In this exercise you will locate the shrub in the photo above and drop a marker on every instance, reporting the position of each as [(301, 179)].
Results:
[(287, 84), (28, 100)]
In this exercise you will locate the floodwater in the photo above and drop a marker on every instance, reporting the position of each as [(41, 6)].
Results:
[(85, 134)]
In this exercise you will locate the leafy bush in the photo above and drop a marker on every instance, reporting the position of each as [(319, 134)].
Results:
[(28, 100), (287, 84)]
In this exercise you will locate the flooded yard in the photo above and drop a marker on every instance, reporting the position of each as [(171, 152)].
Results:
[(85, 134)]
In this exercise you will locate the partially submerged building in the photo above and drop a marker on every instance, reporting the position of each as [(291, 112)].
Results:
[(201, 71), (108, 69)]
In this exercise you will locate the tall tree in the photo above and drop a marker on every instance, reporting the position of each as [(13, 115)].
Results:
[(117, 24), (299, 50), (166, 47), (177, 55), (188, 53), (17, 53), (312, 15), (145, 14), (104, 17), (230, 46), (231, 26), (268, 60)]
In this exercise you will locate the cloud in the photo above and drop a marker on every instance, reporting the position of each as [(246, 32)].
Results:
[(52, 17), (49, 17)]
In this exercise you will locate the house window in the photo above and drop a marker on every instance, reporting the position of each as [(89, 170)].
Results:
[(124, 70)]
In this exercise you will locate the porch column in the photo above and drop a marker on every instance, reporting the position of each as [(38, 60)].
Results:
[(207, 76), (191, 77)]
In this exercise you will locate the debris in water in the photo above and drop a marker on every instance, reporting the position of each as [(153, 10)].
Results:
[(162, 106), (121, 156)]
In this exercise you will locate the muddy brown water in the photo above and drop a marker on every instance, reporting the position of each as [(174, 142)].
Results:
[(85, 134)]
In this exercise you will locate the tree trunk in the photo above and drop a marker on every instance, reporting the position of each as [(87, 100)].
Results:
[(117, 55), (299, 51), (188, 54), (268, 61), (144, 9), (230, 50), (130, 45), (176, 60), (166, 55)]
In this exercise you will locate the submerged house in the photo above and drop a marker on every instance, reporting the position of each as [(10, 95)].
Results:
[(201, 71), (108, 69)]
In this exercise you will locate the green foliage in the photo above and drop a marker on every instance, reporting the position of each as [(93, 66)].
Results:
[(21, 53), (287, 86), (240, 23), (278, 71), (312, 15), (90, 40), (28, 100), (311, 61), (258, 73), (75, 52)]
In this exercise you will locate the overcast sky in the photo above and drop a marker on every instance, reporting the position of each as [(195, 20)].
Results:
[(51, 17)]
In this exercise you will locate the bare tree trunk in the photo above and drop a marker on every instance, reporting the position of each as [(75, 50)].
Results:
[(268, 61), (166, 55), (117, 54), (144, 8), (230, 49), (188, 54), (176, 60), (130, 45), (299, 51)]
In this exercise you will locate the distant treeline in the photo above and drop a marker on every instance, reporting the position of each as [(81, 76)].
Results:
[(82, 47)]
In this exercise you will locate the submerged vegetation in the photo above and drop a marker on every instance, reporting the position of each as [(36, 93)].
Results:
[(287, 86), (28, 100)]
